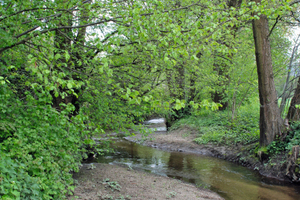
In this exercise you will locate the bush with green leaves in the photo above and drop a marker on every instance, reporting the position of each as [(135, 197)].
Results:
[(39, 146), (293, 136), (292, 139), (276, 147), (217, 127), (16, 183)]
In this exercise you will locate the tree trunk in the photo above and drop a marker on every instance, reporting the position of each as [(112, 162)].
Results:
[(287, 89), (177, 89), (62, 44), (294, 113), (222, 69), (270, 121), (180, 80), (192, 88), (220, 95), (292, 170)]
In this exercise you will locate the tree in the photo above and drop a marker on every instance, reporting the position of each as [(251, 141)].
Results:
[(270, 120), (293, 113), (288, 85), (220, 66), (243, 77)]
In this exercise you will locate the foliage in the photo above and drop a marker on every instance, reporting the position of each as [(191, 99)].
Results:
[(246, 125), (259, 150), (286, 107), (276, 147), (74, 67), (243, 77), (39, 147), (15, 183), (216, 127), (293, 137), (114, 108)]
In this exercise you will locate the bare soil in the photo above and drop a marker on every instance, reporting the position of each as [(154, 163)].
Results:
[(104, 181)]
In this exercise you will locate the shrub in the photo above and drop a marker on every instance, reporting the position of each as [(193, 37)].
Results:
[(39, 147), (217, 127), (293, 137), (276, 147), (15, 183)]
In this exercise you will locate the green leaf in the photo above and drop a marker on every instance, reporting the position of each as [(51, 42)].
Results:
[(57, 56), (67, 56), (69, 85)]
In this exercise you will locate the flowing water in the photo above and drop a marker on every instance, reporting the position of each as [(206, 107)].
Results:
[(229, 180)]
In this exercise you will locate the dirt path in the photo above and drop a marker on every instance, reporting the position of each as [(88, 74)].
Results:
[(104, 181)]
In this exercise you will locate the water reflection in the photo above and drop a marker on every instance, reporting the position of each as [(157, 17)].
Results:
[(227, 179)]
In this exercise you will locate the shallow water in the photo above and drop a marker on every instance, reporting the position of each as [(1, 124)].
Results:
[(229, 180)]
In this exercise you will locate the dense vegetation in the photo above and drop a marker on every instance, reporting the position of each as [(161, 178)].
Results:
[(72, 69)]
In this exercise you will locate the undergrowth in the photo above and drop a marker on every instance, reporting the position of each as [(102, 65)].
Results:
[(39, 147), (217, 127), (292, 139)]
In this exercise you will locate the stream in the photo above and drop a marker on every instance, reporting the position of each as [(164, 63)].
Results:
[(229, 180)]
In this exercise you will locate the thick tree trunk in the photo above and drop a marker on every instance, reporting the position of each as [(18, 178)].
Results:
[(294, 113), (270, 121)]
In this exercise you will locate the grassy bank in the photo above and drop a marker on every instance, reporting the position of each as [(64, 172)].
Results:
[(219, 128)]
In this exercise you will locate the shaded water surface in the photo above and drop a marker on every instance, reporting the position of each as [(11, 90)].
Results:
[(227, 179)]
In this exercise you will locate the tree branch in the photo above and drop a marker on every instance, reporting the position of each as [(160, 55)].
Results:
[(33, 9), (277, 19), (25, 10), (79, 26), (47, 17), (294, 2), (295, 18), (49, 30), (176, 9), (28, 31)]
